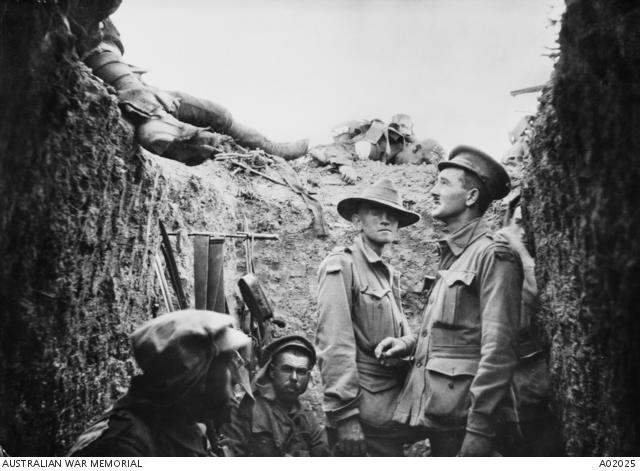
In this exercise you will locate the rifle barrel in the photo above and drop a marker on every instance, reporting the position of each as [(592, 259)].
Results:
[(238, 235)]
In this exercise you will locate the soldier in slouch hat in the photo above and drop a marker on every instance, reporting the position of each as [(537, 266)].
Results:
[(358, 306)]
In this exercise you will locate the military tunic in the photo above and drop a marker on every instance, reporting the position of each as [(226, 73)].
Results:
[(465, 351), (263, 427), (358, 306), (133, 428)]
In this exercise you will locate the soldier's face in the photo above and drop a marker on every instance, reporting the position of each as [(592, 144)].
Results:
[(516, 222), (289, 375), (512, 161), (396, 144), (449, 195), (378, 224), (214, 396)]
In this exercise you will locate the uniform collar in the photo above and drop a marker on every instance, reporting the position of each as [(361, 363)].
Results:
[(463, 237), (265, 389), (367, 251)]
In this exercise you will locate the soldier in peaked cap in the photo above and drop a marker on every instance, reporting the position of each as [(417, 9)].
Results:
[(187, 359), (358, 306), (464, 352), (273, 422)]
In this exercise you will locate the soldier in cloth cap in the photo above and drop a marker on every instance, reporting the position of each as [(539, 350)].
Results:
[(465, 351), (358, 306), (187, 359), (273, 422)]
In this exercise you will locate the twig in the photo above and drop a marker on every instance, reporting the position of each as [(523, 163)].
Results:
[(263, 175), (523, 91), (232, 155)]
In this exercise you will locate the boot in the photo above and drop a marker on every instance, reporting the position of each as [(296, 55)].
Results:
[(248, 137), (167, 137)]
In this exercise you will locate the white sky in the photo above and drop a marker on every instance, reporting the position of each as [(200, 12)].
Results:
[(295, 68)]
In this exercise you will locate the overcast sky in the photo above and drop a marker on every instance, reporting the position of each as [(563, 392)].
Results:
[(295, 68)]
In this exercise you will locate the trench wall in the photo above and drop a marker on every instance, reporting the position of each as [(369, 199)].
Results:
[(78, 230), (582, 199)]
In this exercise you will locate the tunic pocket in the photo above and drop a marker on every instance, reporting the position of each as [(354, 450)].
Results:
[(376, 320), (455, 281), (448, 384), (376, 294)]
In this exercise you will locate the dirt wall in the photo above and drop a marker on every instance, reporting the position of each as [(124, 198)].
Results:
[(581, 196), (78, 229)]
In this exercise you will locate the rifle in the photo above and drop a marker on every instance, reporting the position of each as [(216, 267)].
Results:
[(260, 322), (164, 289), (167, 251), (262, 319), (208, 265)]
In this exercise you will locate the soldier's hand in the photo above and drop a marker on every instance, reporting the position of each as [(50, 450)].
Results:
[(475, 445), (350, 438), (348, 174), (390, 348)]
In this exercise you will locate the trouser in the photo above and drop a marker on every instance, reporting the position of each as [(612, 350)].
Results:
[(541, 435), (201, 113), (207, 114), (383, 441), (182, 127), (445, 443)]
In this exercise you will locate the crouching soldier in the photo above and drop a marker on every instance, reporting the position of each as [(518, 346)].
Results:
[(358, 306), (274, 423), (187, 359)]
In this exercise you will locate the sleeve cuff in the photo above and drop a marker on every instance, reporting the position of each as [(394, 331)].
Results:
[(334, 417), (480, 424), (410, 342)]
